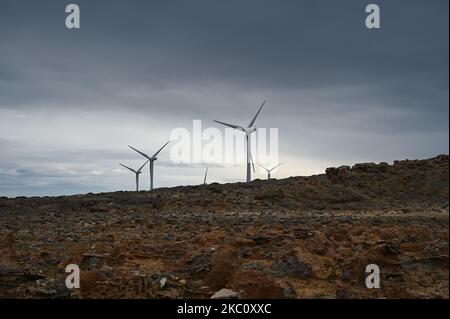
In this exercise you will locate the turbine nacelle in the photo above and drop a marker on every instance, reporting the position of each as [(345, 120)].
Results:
[(250, 130)]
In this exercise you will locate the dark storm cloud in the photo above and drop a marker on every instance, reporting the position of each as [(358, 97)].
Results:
[(255, 44), (349, 92)]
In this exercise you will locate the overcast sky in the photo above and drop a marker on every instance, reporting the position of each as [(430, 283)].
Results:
[(72, 100)]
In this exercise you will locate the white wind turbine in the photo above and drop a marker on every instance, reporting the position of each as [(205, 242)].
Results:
[(137, 172), (270, 170), (248, 131), (151, 160)]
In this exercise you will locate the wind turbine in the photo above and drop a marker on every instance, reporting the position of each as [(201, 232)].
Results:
[(137, 172), (248, 131), (151, 159), (206, 174), (269, 170)]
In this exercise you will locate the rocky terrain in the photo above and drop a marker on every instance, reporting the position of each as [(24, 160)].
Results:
[(300, 237)]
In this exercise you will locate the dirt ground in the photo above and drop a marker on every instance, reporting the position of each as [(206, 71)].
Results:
[(300, 237)]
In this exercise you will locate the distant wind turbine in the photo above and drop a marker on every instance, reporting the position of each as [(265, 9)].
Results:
[(248, 131), (270, 170), (137, 172), (206, 174), (151, 159)]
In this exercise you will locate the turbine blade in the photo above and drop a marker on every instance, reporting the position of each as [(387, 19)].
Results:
[(154, 155), (262, 166), (142, 153), (277, 165), (230, 125), (127, 167), (140, 169), (256, 115)]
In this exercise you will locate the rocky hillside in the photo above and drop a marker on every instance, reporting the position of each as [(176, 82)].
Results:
[(300, 237)]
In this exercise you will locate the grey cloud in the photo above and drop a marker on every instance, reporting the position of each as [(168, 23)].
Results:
[(335, 89)]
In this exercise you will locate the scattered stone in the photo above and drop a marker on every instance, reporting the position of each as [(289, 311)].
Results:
[(291, 266), (225, 294)]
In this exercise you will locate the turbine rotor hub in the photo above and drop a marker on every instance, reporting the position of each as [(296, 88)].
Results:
[(250, 130)]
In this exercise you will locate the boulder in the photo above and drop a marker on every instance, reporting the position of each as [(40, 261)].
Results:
[(340, 173)]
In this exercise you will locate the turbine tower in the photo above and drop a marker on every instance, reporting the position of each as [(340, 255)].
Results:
[(248, 131), (151, 160), (137, 172), (270, 170), (206, 174)]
